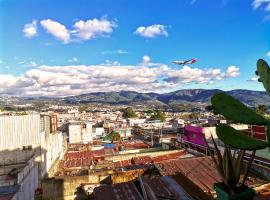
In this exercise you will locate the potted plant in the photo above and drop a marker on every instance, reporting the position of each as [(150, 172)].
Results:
[(230, 164)]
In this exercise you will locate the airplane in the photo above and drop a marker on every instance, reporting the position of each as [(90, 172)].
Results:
[(185, 62)]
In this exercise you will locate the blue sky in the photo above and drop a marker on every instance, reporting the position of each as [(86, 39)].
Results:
[(59, 48)]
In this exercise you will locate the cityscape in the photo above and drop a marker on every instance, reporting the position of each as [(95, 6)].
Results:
[(134, 100)]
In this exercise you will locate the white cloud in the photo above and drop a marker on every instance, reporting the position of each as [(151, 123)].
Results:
[(152, 31), (232, 71), (81, 30), (261, 3), (118, 51), (32, 64), (268, 54), (254, 78), (92, 28), (67, 80), (30, 30), (74, 59), (188, 75), (145, 60), (56, 29)]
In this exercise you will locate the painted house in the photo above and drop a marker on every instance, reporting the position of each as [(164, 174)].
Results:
[(197, 135), (194, 135), (124, 132)]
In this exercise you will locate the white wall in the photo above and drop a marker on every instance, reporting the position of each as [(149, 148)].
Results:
[(28, 180), (78, 134), (74, 133), (51, 148), (212, 130), (18, 131)]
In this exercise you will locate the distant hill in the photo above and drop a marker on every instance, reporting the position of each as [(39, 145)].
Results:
[(193, 96), (187, 96)]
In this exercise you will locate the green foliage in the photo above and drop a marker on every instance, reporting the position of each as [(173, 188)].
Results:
[(113, 136), (261, 109), (229, 166), (129, 113), (208, 108), (236, 139), (234, 110), (263, 71), (83, 108), (158, 115)]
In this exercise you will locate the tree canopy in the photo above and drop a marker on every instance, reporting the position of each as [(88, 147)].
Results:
[(261, 109), (158, 115), (129, 113)]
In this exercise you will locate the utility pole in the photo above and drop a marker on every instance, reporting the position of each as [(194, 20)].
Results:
[(152, 141)]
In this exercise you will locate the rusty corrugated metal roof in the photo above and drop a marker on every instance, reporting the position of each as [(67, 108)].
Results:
[(200, 170), (120, 191)]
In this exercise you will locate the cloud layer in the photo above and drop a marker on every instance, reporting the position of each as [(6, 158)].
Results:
[(77, 79), (152, 31), (80, 30)]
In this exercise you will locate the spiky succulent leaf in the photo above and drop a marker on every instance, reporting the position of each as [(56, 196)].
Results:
[(236, 139), (219, 161), (238, 163), (233, 109)]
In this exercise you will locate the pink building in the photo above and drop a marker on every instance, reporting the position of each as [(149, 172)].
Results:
[(194, 135)]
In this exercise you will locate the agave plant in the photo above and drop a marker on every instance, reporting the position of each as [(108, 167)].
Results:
[(236, 143), (230, 163)]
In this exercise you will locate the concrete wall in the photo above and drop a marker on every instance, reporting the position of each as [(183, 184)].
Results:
[(129, 156), (80, 133), (52, 148), (28, 181), (15, 156), (18, 131), (64, 188)]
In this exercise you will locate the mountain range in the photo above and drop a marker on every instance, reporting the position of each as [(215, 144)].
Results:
[(187, 96), (191, 96)]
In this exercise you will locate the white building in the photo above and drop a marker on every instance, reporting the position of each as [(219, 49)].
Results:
[(80, 132), (97, 132), (18, 181), (19, 131), (134, 121), (29, 146)]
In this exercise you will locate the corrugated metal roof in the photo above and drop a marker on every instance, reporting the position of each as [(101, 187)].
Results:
[(199, 170), (167, 187), (120, 191)]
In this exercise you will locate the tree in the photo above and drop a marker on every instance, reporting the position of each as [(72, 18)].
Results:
[(113, 136), (261, 109), (208, 108), (129, 113), (158, 115), (83, 108)]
